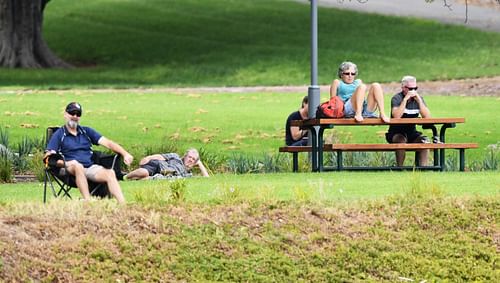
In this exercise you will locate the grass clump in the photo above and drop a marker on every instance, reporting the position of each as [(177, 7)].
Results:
[(160, 193)]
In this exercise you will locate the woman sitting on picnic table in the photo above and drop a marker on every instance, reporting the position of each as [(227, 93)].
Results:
[(352, 92)]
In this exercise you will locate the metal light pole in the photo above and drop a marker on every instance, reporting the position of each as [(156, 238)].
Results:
[(313, 92)]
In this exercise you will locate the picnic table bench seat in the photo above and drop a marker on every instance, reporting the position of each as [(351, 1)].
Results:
[(339, 148)]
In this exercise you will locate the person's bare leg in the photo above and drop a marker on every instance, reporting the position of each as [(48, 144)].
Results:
[(138, 174), (76, 169), (400, 154), (376, 100), (108, 176), (424, 157), (357, 99)]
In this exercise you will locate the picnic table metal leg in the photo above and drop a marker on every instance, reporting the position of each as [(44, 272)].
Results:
[(462, 159), (295, 161), (314, 150), (434, 134), (436, 157), (46, 181), (417, 158), (339, 160), (433, 128), (320, 149), (442, 138), (442, 132), (442, 161)]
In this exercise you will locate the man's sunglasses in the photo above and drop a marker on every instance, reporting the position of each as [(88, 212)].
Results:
[(347, 74), (412, 88), (77, 113)]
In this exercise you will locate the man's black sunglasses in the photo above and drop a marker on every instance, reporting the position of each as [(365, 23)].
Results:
[(77, 113), (412, 88)]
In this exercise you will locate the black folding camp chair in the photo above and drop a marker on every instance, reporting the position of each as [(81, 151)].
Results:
[(61, 184)]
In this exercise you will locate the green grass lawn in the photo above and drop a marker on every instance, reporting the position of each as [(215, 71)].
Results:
[(224, 124), (229, 43), (327, 187)]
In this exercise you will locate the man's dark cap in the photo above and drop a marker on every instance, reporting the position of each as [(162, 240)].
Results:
[(74, 106)]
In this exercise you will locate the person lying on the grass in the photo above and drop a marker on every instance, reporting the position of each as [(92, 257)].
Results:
[(168, 164)]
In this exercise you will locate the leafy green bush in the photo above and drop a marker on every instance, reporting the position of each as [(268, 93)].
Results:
[(22, 160), (36, 165), (212, 161), (269, 163), (244, 164), (4, 137), (492, 158), (6, 166), (24, 148), (274, 163)]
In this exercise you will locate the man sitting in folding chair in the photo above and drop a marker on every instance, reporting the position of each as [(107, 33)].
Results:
[(74, 142)]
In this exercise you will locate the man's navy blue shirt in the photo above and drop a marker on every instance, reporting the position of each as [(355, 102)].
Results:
[(77, 147)]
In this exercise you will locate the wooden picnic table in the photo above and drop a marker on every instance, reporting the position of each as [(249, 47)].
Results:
[(316, 128)]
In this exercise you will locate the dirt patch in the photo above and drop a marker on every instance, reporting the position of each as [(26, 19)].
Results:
[(489, 86), (466, 87), (494, 4)]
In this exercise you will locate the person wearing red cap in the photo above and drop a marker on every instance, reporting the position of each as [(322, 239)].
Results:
[(75, 143)]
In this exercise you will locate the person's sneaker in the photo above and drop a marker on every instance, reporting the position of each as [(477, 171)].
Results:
[(121, 175), (436, 139), (425, 140), (159, 176)]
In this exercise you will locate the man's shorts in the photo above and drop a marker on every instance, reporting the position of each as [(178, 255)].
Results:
[(301, 142), (349, 110), (412, 137), (153, 167), (90, 172)]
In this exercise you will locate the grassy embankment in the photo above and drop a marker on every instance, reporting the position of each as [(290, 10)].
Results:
[(419, 235)]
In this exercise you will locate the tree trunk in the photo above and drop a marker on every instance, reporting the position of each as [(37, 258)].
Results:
[(21, 41)]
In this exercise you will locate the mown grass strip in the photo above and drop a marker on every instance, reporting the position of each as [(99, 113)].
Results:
[(224, 124), (327, 187)]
